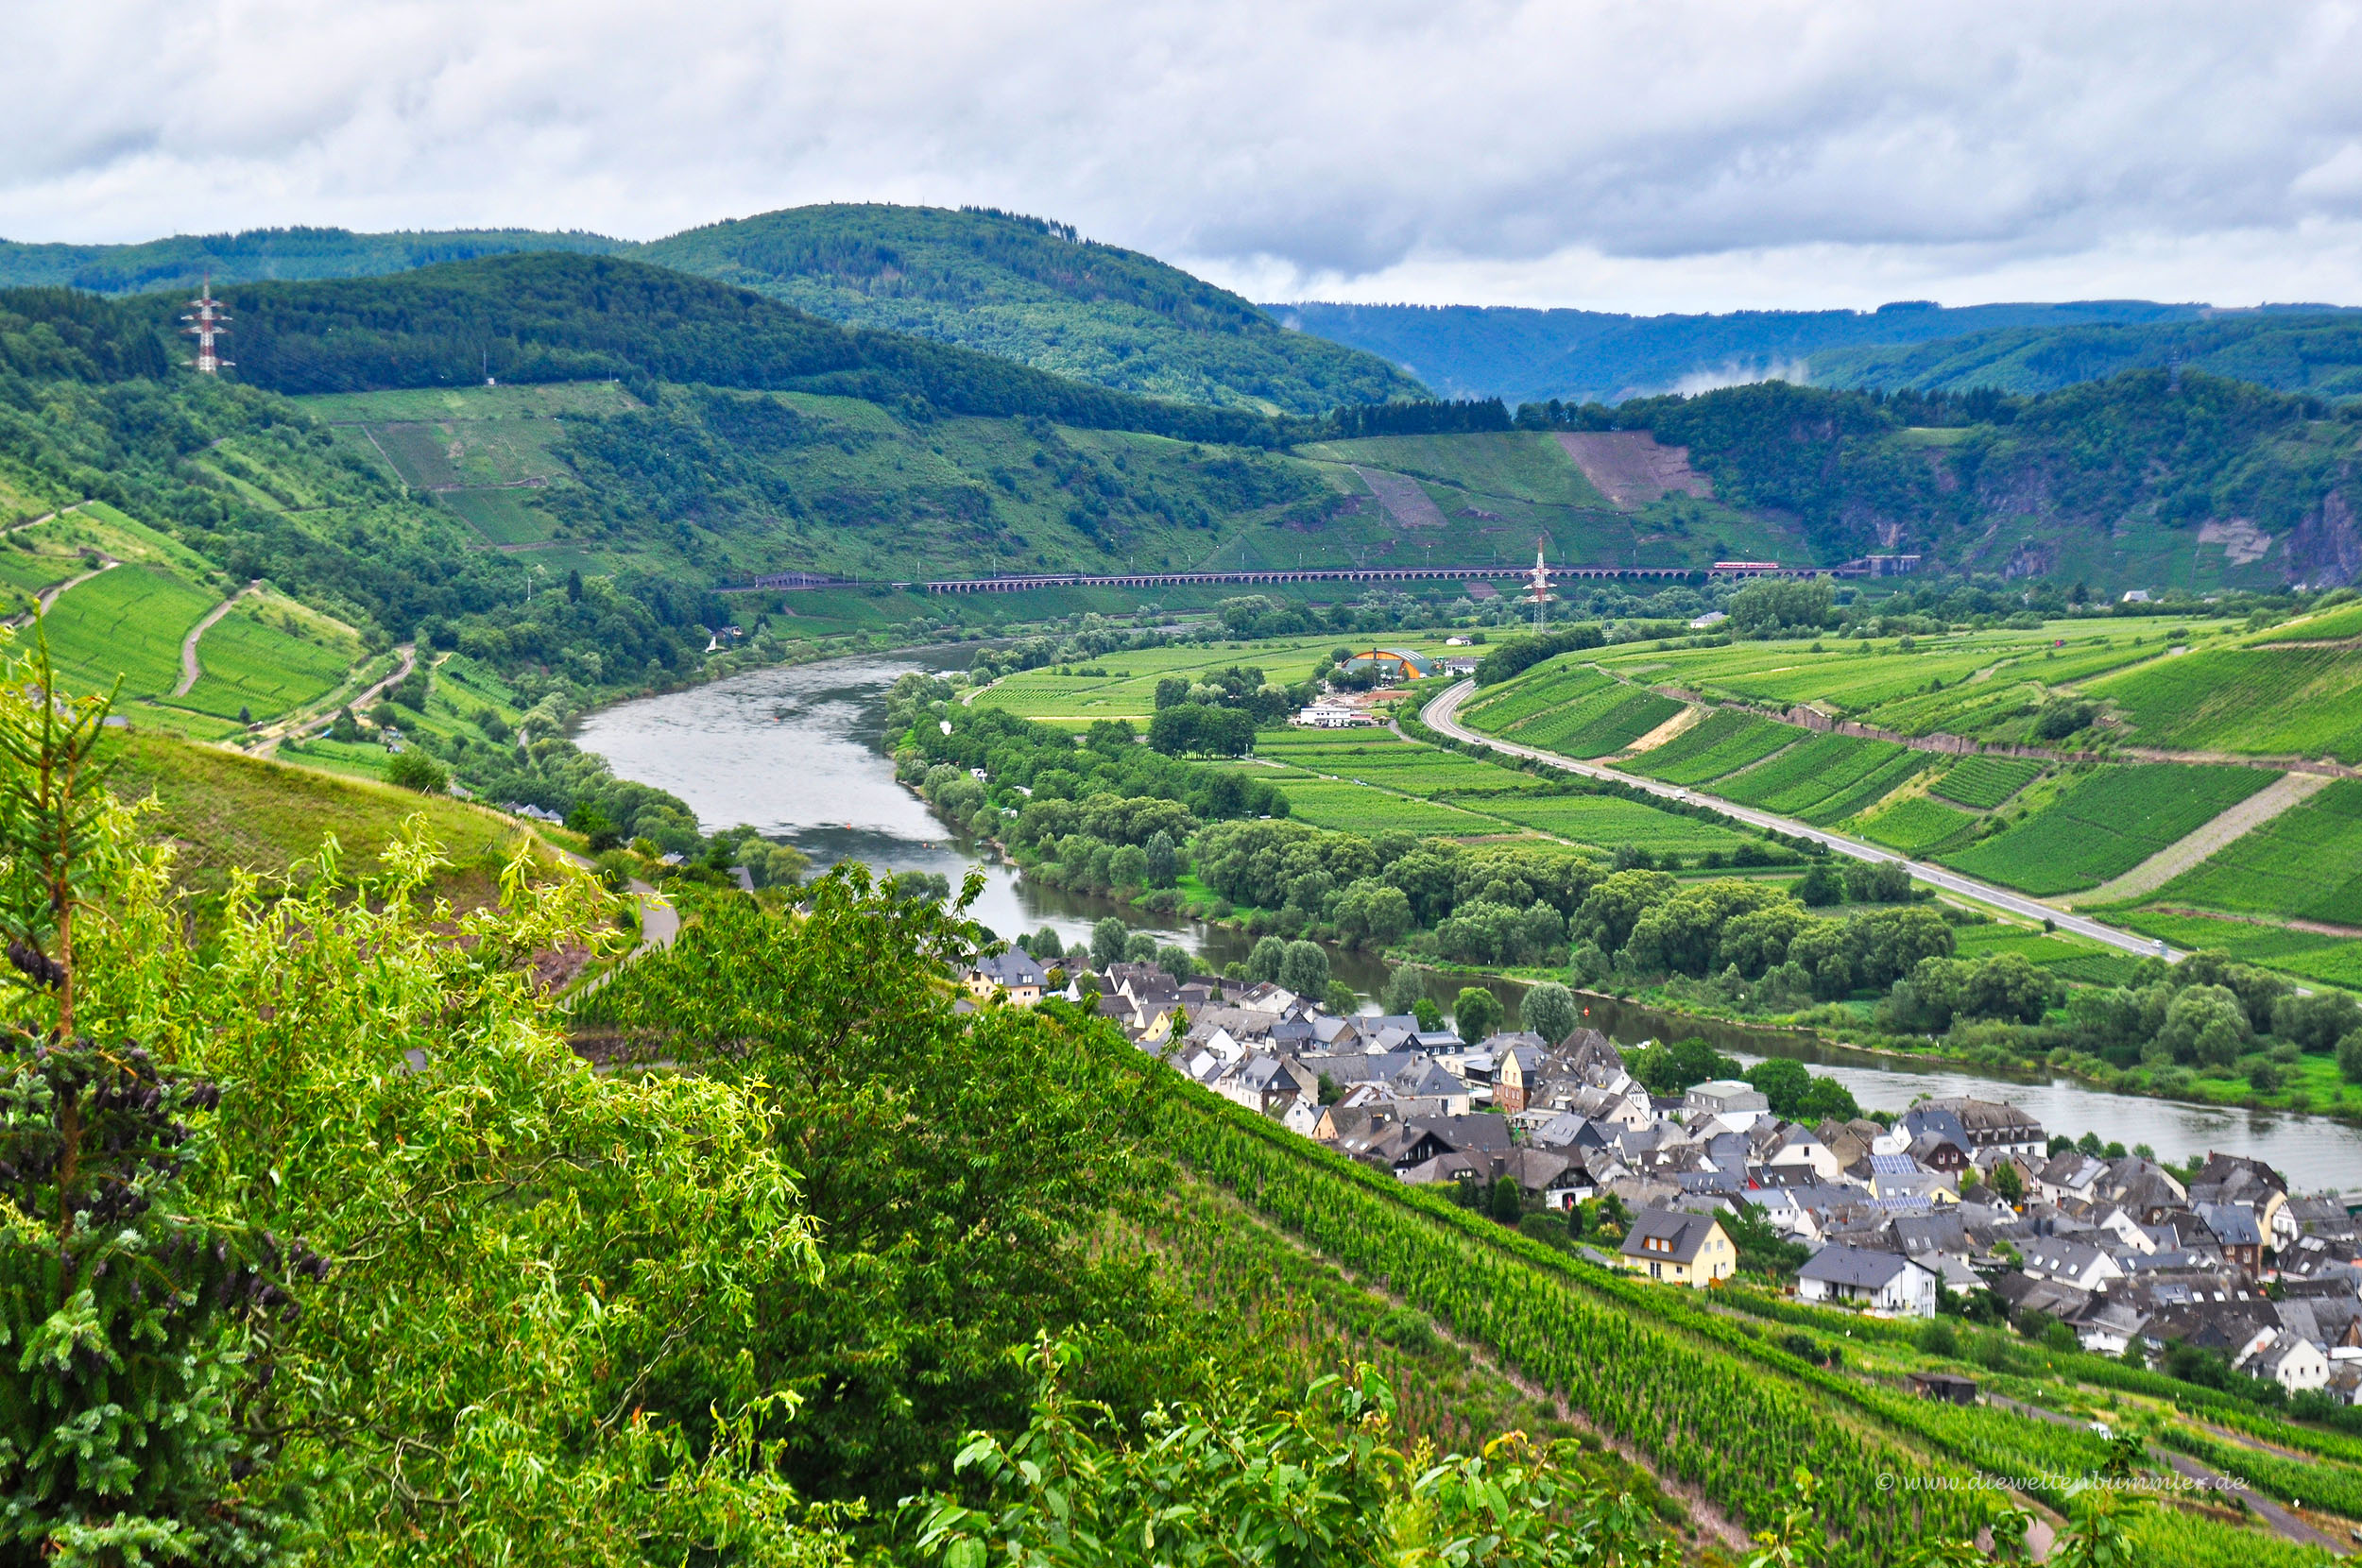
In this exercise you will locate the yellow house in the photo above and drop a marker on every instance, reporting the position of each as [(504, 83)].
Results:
[(1679, 1248)]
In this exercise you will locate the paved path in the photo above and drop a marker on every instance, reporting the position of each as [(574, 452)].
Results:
[(191, 672), (1439, 717), (2175, 859), (49, 596), (659, 925)]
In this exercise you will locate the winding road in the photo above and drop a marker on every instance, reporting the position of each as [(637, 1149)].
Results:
[(191, 671), (1439, 716)]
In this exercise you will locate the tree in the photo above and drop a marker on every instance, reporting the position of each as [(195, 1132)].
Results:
[(1172, 692), (1672, 1069), (1263, 961), (1164, 861), (2008, 1183), (1112, 939), (1343, 999), (1820, 886), (1549, 1010), (1508, 1204), (1476, 1014), (2350, 1057), (1430, 1016), (144, 1320), (1178, 960), (415, 770), (1405, 986), (1304, 969), (593, 823)]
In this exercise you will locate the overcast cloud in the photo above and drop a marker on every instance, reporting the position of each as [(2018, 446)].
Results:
[(1644, 156)]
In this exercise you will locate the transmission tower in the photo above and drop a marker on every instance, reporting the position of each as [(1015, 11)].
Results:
[(1539, 589), (209, 322)]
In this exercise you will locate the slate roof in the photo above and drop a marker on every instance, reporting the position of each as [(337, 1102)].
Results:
[(1855, 1266)]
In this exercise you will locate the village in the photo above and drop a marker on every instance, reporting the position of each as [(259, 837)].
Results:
[(1956, 1204)]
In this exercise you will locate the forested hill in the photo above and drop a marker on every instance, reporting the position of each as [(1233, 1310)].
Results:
[(1032, 291), (1523, 355), (2144, 479), (2292, 352), (184, 260), (555, 317), (1019, 288)]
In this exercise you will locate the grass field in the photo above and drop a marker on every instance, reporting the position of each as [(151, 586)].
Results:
[(222, 810), (1722, 742), (2305, 864), (2105, 823), (1985, 782), (1128, 691), (2264, 701), (1916, 824)]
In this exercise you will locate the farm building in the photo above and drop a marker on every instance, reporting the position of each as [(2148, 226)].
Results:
[(1393, 664)]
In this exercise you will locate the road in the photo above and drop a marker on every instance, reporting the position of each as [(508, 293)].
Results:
[(1438, 716), (191, 672)]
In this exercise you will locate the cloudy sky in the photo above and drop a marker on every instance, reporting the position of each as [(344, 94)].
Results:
[(1640, 155)]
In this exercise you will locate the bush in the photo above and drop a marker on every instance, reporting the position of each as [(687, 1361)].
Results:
[(416, 770)]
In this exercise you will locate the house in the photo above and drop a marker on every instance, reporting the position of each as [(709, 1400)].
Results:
[(2070, 1262), (1885, 1284), (1975, 1125), (2290, 1360), (1331, 716), (1014, 974), (2070, 1175), (1797, 1148), (1678, 1249), (2235, 1230), (1727, 1097)]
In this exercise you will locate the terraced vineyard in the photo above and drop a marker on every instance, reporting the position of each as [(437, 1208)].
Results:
[(263, 667), (1985, 782), (2105, 823), (1823, 779), (1916, 824), (1722, 742), (2305, 864), (1573, 709), (2269, 701)]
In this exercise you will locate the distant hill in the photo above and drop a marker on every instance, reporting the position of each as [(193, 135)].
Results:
[(555, 317), (184, 260), (1019, 288), (2315, 351), (1029, 290), (1592, 356)]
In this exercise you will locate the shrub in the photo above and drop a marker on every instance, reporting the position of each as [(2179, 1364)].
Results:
[(416, 770)]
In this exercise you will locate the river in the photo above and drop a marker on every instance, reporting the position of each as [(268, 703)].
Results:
[(798, 753)]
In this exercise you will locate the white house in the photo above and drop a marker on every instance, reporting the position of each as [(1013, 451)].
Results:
[(2290, 1360), (2070, 1262), (1886, 1284)]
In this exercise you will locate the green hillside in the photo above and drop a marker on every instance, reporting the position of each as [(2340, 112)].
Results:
[(1017, 288), (2290, 351), (1032, 291)]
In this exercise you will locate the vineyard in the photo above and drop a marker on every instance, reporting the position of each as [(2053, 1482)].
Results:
[(1985, 782), (2304, 864), (1574, 709), (1722, 742), (2316, 955), (1824, 779), (1611, 824), (2106, 823), (1706, 1399), (2267, 701), (1349, 808), (1916, 824), (1678, 1394)]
